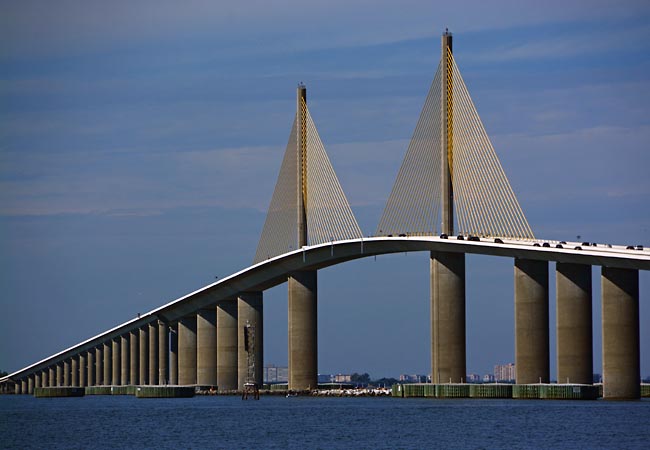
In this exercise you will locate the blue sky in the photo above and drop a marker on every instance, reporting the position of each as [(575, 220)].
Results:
[(140, 142)]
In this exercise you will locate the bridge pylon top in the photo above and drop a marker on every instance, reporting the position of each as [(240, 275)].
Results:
[(451, 180), (308, 206)]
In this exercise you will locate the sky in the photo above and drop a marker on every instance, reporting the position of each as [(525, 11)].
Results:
[(140, 142)]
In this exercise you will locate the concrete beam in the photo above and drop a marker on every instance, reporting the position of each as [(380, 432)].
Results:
[(620, 315), (574, 324), (144, 355), (448, 354), (303, 330), (227, 345), (250, 311), (187, 351), (531, 321), (206, 351)]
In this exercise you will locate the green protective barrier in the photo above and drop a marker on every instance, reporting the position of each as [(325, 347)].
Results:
[(47, 392), (98, 390), (490, 390), (164, 391)]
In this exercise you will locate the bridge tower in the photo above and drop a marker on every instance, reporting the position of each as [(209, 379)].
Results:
[(447, 270), (302, 285)]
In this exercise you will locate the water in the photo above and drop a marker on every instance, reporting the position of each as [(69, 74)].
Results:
[(102, 422)]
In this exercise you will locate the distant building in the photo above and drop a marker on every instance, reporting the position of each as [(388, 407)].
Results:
[(473, 378), (488, 378), (341, 378), (275, 374), (405, 378), (505, 372)]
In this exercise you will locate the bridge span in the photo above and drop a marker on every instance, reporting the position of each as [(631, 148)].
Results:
[(450, 183), (199, 312)]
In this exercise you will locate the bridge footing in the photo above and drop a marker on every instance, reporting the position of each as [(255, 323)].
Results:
[(531, 322), (574, 327), (227, 345), (620, 315), (448, 357), (250, 310), (303, 330)]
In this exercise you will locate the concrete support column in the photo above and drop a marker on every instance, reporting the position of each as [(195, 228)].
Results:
[(124, 360), (531, 321), (90, 377), (303, 330), (144, 355), (153, 353), (163, 352), (187, 350), (30, 385), (45, 378), (447, 297), (206, 347), (59, 374), (620, 304), (573, 319), (99, 365), (66, 373), (227, 345), (52, 376), (74, 371), (134, 361), (250, 311), (37, 380), (23, 386), (82, 370), (173, 354), (108, 364), (117, 359)]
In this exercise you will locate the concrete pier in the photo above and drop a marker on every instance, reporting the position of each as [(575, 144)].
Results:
[(227, 345), (23, 386), (82, 370), (144, 355), (163, 353), (45, 379), (531, 322), (108, 364), (37, 380), (59, 374), (303, 330), (250, 311), (448, 359), (116, 373), (99, 365), (187, 350), (620, 315), (74, 371), (90, 375), (153, 353), (125, 358), (30, 385), (66, 373), (173, 354), (206, 347), (52, 376), (134, 353), (574, 324)]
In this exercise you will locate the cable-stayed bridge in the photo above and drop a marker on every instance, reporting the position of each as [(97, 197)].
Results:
[(451, 197)]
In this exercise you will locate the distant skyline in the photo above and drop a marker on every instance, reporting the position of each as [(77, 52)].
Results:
[(140, 143)]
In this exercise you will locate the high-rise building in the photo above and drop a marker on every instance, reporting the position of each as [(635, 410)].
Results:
[(505, 372)]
